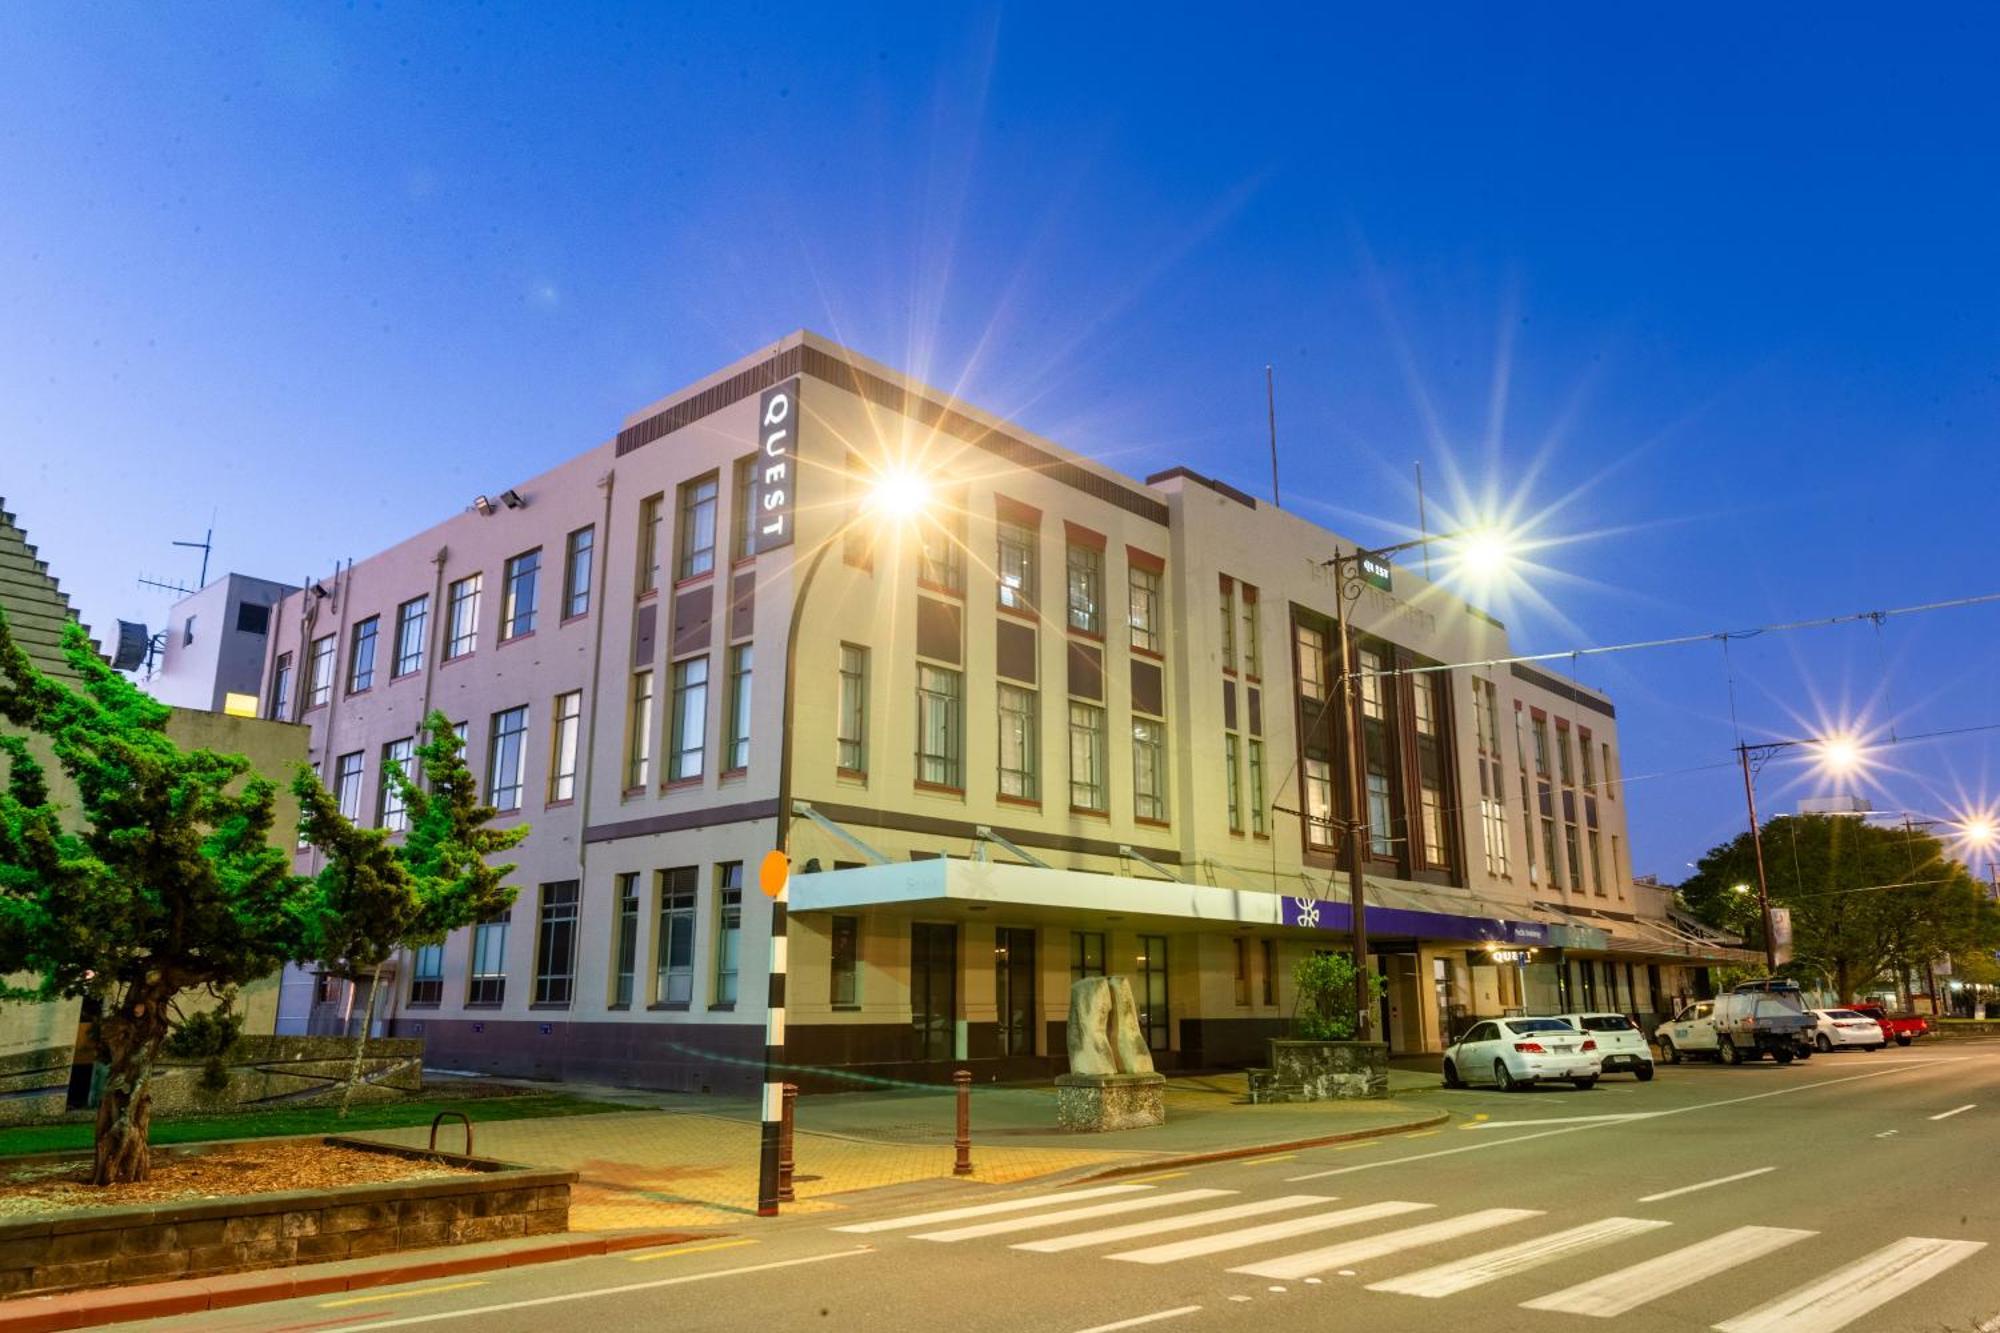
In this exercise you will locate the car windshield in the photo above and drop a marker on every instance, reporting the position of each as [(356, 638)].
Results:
[(1606, 1023), (1841, 1013), (1521, 1025)]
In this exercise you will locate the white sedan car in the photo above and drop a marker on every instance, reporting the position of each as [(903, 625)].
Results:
[(1518, 1052), (1621, 1045), (1844, 1027)]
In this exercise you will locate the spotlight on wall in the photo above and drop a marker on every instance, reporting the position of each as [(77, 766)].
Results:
[(512, 499), (319, 591), (483, 505)]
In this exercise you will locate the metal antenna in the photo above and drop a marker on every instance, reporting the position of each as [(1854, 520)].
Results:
[(205, 545), (1423, 523), (1271, 409)]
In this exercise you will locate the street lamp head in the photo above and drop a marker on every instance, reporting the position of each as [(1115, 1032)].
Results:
[(1486, 553), (899, 494), (1979, 831), (1840, 753), (1740, 888)]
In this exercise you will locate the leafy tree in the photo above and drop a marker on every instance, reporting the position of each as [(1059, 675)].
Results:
[(1330, 996), (162, 882), (377, 897)]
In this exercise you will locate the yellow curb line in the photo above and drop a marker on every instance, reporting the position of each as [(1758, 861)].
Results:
[(1350, 1147), (1265, 1161), (676, 1251), (1143, 1180), (1422, 1134), (398, 1295)]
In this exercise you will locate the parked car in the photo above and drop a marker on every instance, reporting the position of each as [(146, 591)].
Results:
[(1621, 1046), (1689, 1032), (1900, 1028), (1844, 1027), (1517, 1052), (1760, 1018)]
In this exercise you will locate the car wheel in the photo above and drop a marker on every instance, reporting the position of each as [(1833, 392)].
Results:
[(1505, 1077), (1822, 1042), (1669, 1052), (1726, 1052), (1876, 1047), (1584, 1084), (1902, 1041), (1645, 1072), (1451, 1078), (1782, 1057)]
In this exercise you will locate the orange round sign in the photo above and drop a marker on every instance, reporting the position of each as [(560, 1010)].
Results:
[(772, 872)]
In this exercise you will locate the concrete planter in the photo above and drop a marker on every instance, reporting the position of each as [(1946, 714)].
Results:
[(1322, 1071)]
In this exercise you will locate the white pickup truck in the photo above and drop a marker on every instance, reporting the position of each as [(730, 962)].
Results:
[(1756, 1019)]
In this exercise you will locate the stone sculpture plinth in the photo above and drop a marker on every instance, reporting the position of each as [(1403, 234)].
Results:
[(1111, 1083)]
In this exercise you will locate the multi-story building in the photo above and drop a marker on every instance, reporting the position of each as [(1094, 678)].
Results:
[(1064, 723), (213, 647)]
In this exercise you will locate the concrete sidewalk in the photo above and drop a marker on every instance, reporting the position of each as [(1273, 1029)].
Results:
[(692, 1161)]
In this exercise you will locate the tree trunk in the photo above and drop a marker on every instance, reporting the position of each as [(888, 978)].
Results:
[(130, 1042), (1844, 980), (360, 1043)]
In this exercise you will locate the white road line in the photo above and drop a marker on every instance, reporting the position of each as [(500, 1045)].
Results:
[(983, 1209), (1292, 1266), (1844, 1295), (1629, 1288), (1296, 1226), (1480, 1269), (1706, 1184), (979, 1230), (619, 1290), (1564, 1120), (1575, 1129), (1153, 1318), (1184, 1222), (1955, 1111)]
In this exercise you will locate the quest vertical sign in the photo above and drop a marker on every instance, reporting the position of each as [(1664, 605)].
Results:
[(778, 464)]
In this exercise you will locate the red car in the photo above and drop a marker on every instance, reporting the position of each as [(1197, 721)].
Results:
[(1903, 1028)]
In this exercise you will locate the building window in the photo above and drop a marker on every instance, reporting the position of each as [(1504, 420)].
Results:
[(579, 553), (1086, 954), (651, 510), (1086, 589), (626, 961), (941, 561), (1086, 758), (566, 722), (1144, 610), (1604, 767), (1232, 785), (413, 619), (1152, 990), (844, 950), (361, 655), (1309, 644), (1540, 730), (281, 687), (1252, 647), (487, 984), (518, 595), (1226, 608), (940, 727), (1242, 972), (555, 944), (1319, 802), (505, 758), (1375, 736), (397, 756), (187, 632), (1575, 857), (1258, 815), (728, 929), (1149, 769), (743, 504), (697, 528), (853, 726), (1430, 770), (1020, 744), (1586, 762), (639, 731), (1270, 971), (319, 672), (1596, 864), (462, 616), (673, 982), (690, 720), (252, 618), (347, 784), (736, 751), (427, 974), (1016, 565), (1564, 768), (1492, 780)]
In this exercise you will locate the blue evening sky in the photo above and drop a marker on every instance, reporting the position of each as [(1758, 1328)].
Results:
[(1712, 288)]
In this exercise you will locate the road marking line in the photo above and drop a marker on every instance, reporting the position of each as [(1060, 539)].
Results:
[(1887, 1133), (1154, 1180), (981, 1229), (1153, 1318), (1465, 1274), (1350, 1147), (398, 1295), (675, 1251), (1421, 1134), (982, 1209), (1266, 1161), (1133, 1230), (1389, 1242), (620, 1290), (1573, 1129), (1629, 1288), (1566, 1120), (1844, 1295), (1295, 1226), (1706, 1184), (1955, 1111)]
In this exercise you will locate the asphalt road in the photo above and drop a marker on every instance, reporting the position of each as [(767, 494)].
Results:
[(1852, 1191)]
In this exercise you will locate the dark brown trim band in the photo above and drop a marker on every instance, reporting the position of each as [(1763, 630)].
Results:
[(682, 820), (1562, 689), (967, 829)]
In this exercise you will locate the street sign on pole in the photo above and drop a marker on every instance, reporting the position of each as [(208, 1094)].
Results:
[(1374, 570)]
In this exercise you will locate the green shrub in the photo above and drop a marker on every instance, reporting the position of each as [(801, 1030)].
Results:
[(208, 1035), (1330, 996)]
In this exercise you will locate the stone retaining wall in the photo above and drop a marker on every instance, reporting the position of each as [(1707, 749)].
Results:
[(153, 1242)]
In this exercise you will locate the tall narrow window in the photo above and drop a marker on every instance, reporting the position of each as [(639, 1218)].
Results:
[(1015, 565), (1258, 812), (697, 528), (1309, 643), (1596, 863), (1375, 752), (397, 756), (728, 929), (1251, 648), (462, 616), (651, 510), (1086, 589), (1149, 769), (555, 944), (506, 757), (1086, 954), (853, 725), (673, 983), (941, 555), (1226, 607), (940, 726), (319, 672), (281, 687), (736, 751), (1270, 977), (844, 951), (1087, 788), (1319, 802), (690, 720), (361, 655), (1020, 744), (1143, 608), (1492, 780), (743, 508), (347, 784), (427, 974), (566, 722), (1151, 985), (1232, 785), (1430, 769), (413, 620), (639, 732), (579, 554), (519, 594), (625, 960), (486, 984)]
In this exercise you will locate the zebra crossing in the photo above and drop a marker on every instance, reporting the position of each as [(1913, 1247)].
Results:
[(1143, 1222)]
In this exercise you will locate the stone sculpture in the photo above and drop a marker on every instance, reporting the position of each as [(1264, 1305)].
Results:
[(1111, 1083)]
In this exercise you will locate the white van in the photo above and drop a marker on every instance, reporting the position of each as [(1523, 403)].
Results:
[(1689, 1032)]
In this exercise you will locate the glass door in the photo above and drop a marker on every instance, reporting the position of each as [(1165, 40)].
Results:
[(934, 989), (1014, 989)]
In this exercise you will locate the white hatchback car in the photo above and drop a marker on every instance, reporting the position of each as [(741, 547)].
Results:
[(1844, 1027), (1518, 1052), (1621, 1045)]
